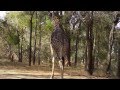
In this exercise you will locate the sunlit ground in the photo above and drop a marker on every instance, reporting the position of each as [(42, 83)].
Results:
[(16, 70)]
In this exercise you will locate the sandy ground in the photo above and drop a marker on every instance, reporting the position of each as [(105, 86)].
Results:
[(18, 74), (17, 70)]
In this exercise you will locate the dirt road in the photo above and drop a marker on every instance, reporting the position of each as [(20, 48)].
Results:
[(18, 74), (17, 70)]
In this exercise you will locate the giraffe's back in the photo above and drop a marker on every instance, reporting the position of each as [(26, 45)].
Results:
[(59, 41)]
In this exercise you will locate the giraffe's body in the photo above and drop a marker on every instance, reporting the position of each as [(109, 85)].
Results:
[(59, 43), (59, 46)]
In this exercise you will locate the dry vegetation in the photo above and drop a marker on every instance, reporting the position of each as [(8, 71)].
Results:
[(17, 70), (18, 27)]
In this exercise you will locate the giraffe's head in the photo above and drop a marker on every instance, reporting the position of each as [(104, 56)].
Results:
[(55, 21), (54, 16)]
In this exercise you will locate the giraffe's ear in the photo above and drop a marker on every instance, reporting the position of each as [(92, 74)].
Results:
[(56, 14), (50, 14)]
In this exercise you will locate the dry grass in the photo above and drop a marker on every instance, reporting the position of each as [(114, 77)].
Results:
[(17, 70)]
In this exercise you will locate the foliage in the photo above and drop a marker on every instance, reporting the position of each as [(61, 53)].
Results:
[(13, 39), (19, 21), (49, 24)]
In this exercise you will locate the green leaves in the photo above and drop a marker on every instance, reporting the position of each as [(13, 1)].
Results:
[(18, 18), (13, 39), (49, 25)]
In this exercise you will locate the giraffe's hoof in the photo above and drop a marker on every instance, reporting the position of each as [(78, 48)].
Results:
[(61, 77), (51, 77)]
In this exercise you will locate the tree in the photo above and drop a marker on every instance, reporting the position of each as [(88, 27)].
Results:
[(30, 44), (66, 18), (89, 34), (118, 60), (19, 21), (34, 53), (110, 44)]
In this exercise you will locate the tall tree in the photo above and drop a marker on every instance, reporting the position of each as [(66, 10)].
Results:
[(76, 23), (34, 53), (118, 60), (76, 47), (39, 51), (19, 53), (89, 34), (110, 44), (20, 46), (67, 17), (30, 44)]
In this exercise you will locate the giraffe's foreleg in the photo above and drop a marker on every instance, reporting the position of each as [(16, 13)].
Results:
[(53, 67), (53, 62), (61, 68)]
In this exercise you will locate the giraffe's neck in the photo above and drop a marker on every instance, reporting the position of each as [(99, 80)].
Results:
[(57, 27)]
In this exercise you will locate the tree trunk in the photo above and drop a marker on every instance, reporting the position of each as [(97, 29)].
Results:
[(98, 50), (117, 51), (95, 49), (77, 42), (76, 49), (90, 44), (69, 50), (10, 52), (86, 56), (21, 50), (118, 59), (30, 44), (20, 53), (19, 47), (68, 35), (39, 59), (110, 44), (34, 54)]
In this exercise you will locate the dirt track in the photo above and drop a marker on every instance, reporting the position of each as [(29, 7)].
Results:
[(18, 70), (17, 74)]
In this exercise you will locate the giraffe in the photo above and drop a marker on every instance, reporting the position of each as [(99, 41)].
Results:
[(59, 45)]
